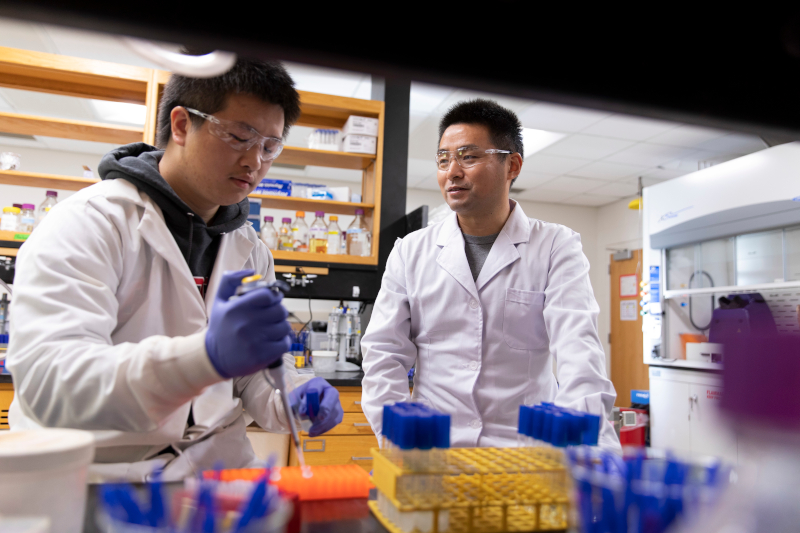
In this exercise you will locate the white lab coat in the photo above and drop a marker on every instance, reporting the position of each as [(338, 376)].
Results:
[(482, 348), (108, 335)]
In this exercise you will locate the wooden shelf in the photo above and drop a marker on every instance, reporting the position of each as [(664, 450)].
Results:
[(46, 181), (69, 129), (323, 258), (13, 236), (328, 111), (294, 155), (307, 204), (71, 76)]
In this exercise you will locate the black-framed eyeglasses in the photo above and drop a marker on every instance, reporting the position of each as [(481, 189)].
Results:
[(466, 157), (240, 136)]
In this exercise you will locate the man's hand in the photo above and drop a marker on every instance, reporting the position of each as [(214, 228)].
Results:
[(330, 409), (248, 333)]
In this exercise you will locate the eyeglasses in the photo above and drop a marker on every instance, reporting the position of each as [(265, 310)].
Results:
[(466, 157), (240, 136)]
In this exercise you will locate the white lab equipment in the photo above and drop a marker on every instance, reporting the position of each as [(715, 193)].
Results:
[(50, 200), (10, 220), (164, 345), (44, 473), (359, 238), (344, 336), (300, 232), (727, 232), (334, 236), (360, 144), (27, 218), (269, 235), (486, 346), (318, 234)]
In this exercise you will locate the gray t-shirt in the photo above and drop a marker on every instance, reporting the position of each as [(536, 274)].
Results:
[(477, 250)]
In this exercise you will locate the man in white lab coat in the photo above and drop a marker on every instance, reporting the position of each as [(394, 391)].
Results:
[(122, 318), (481, 301)]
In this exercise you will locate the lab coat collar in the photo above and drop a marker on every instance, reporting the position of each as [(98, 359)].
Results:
[(517, 229), (453, 259)]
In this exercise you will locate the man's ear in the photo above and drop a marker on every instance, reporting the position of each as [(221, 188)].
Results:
[(180, 124), (514, 167)]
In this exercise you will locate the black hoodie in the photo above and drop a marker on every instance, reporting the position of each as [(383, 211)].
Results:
[(198, 241)]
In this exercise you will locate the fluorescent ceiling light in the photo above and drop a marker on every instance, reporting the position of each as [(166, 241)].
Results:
[(120, 112), (535, 140)]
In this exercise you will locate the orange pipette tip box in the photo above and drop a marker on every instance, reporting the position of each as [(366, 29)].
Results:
[(328, 482)]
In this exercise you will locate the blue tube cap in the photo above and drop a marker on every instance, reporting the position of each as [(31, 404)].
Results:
[(441, 437), (591, 430)]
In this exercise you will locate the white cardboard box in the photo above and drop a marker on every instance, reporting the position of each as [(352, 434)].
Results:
[(360, 126), (360, 144), (340, 194)]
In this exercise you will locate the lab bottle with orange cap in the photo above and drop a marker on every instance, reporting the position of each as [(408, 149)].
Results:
[(300, 232)]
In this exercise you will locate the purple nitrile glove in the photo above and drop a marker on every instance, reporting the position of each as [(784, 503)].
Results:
[(330, 409), (248, 333)]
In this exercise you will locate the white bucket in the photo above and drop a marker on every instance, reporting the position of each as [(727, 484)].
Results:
[(324, 362), (43, 473)]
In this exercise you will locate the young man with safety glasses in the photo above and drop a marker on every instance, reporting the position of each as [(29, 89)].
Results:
[(123, 318), (481, 301)]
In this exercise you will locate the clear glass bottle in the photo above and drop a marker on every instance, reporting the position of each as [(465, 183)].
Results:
[(359, 238), (50, 199), (268, 234), (300, 232), (10, 220), (27, 218), (334, 236), (285, 238), (318, 242)]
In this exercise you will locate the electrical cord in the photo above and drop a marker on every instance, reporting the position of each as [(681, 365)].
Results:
[(691, 318)]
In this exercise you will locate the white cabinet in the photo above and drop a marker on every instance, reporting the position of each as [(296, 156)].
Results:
[(684, 415)]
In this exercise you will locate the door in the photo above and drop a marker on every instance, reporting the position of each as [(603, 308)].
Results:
[(670, 414), (710, 436), (627, 369)]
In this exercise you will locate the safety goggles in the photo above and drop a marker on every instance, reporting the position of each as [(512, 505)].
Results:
[(240, 136), (466, 157)]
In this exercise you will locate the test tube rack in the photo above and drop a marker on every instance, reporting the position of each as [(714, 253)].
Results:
[(466, 490)]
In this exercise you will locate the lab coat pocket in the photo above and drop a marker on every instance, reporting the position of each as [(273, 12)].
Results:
[(523, 320)]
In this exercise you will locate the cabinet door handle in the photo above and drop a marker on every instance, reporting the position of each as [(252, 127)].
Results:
[(357, 402), (353, 458), (361, 424), (305, 444)]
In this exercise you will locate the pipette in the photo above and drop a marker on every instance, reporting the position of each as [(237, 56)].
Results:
[(275, 373)]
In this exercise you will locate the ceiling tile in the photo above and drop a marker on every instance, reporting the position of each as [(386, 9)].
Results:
[(528, 179), (540, 195), (4, 105), (586, 147), (591, 200), (604, 170), (324, 80), (364, 89), (688, 136), (629, 128), (650, 155), (554, 117), (573, 185), (426, 98), (23, 35), (550, 164), (421, 168), (94, 45), (617, 188), (651, 179), (735, 143)]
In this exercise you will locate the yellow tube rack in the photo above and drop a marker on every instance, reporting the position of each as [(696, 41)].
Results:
[(466, 490)]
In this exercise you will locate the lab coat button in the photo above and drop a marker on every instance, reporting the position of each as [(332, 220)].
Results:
[(473, 304), (473, 365), (475, 424)]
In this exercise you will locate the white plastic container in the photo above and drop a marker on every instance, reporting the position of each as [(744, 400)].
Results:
[(324, 361), (43, 473)]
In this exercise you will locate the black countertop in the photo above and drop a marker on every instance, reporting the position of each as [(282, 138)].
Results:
[(5, 378), (343, 379)]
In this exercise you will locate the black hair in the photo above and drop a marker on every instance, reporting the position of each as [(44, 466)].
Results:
[(267, 80), (505, 129)]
